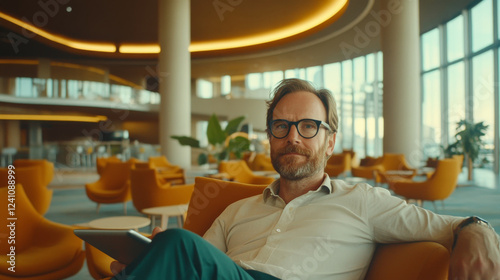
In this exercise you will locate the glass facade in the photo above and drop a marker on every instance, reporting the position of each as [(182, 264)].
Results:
[(460, 69)]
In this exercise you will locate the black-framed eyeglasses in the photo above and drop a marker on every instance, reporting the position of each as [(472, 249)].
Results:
[(307, 128)]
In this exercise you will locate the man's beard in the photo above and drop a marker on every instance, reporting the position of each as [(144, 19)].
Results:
[(289, 169)]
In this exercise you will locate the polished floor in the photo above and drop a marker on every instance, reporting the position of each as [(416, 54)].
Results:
[(71, 206)]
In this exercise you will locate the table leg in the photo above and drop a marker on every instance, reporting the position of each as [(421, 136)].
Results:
[(164, 221), (180, 220)]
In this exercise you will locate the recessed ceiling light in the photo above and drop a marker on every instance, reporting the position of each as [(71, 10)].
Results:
[(69, 9)]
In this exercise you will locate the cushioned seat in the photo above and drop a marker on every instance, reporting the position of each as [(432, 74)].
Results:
[(44, 249)]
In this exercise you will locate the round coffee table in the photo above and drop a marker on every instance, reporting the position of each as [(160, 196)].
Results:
[(165, 212), (120, 222)]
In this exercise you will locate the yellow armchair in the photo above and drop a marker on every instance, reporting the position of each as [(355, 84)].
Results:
[(113, 186), (167, 171), (239, 171), (33, 182), (388, 162), (98, 263), (409, 261), (439, 186), (102, 161), (338, 164), (262, 162), (44, 250), (46, 166), (148, 190)]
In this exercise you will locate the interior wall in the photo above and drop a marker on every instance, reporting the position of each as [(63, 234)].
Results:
[(142, 131)]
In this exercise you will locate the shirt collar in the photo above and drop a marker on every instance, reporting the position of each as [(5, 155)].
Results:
[(273, 189)]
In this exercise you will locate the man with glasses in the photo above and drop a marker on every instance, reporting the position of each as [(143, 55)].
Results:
[(306, 226)]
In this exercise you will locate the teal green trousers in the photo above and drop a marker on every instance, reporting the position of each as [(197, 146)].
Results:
[(181, 254)]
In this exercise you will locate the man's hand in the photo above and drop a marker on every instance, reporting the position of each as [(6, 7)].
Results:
[(476, 254), (116, 267)]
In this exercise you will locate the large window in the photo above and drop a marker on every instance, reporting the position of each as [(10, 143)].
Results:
[(455, 38), (456, 98), (430, 49), (431, 113), (482, 25), (466, 80)]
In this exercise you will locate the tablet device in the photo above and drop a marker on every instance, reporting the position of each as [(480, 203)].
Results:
[(122, 245)]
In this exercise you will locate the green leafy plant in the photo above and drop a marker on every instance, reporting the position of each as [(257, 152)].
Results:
[(221, 142), (469, 142)]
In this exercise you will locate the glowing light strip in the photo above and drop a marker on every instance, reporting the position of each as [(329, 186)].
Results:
[(139, 48), (124, 82), (76, 66), (75, 44), (19, 61), (52, 118)]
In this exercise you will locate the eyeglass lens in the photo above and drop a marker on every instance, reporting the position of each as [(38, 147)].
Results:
[(306, 128)]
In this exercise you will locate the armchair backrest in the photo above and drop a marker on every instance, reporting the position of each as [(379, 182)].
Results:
[(211, 197), (47, 168), (444, 180), (262, 162), (102, 161), (30, 177), (159, 161), (394, 162), (148, 192), (115, 175)]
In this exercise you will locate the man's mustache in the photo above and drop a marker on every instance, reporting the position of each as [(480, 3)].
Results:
[(294, 149)]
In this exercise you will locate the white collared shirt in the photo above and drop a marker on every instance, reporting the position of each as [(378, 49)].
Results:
[(329, 233)]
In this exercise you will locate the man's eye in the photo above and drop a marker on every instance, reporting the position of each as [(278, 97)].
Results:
[(281, 126)]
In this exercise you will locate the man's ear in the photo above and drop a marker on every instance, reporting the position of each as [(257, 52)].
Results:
[(330, 143)]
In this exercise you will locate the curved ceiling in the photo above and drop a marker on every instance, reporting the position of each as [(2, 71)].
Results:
[(118, 23), (102, 28)]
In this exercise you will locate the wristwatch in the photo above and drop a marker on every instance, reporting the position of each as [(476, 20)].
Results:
[(466, 222)]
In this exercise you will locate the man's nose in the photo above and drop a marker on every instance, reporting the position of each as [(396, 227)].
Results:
[(293, 135)]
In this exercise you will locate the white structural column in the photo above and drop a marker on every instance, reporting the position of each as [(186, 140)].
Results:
[(174, 73), (401, 51)]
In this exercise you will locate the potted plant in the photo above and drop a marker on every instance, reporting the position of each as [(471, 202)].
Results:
[(469, 142), (221, 142)]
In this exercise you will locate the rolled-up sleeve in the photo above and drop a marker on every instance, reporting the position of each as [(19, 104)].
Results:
[(393, 220)]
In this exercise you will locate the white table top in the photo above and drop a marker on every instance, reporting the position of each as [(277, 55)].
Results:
[(399, 172), (171, 210), (120, 222)]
